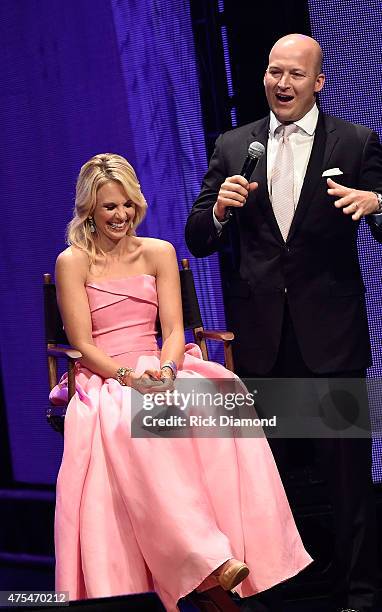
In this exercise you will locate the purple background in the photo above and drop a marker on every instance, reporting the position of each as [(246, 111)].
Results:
[(106, 75), (351, 39), (80, 79)]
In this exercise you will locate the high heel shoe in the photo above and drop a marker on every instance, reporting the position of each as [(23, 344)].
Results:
[(227, 576), (213, 600), (211, 595), (231, 573)]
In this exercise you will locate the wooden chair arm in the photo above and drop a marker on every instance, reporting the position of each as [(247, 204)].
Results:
[(71, 355), (220, 335), (59, 351)]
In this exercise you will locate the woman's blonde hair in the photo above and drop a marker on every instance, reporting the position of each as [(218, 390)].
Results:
[(99, 170)]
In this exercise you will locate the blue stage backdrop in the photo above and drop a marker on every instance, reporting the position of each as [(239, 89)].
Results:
[(350, 34), (80, 78)]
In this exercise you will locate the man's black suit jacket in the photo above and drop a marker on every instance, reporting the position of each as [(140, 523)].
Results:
[(317, 269)]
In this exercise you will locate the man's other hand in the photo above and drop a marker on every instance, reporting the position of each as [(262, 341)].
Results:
[(353, 202)]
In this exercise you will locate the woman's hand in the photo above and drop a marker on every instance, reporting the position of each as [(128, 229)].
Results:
[(164, 376), (148, 382)]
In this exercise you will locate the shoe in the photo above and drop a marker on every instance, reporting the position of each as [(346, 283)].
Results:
[(227, 576), (213, 600), (231, 573), (350, 610)]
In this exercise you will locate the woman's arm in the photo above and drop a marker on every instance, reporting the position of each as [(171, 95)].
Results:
[(71, 273), (170, 303)]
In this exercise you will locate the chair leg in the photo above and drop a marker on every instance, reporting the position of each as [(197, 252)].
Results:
[(201, 343), (71, 379), (228, 356)]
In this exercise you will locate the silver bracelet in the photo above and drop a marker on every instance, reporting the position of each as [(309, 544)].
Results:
[(121, 373)]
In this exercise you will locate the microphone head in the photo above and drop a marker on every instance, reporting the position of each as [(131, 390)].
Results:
[(256, 150)]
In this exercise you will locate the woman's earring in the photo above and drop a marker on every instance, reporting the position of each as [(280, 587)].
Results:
[(91, 225)]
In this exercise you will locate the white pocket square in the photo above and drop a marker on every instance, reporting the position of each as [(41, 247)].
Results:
[(332, 172)]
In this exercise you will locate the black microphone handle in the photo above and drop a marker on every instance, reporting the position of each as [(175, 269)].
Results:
[(246, 171), (248, 167)]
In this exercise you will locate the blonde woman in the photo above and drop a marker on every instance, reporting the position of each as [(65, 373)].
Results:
[(136, 514)]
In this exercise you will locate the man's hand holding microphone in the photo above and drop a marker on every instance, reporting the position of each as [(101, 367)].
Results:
[(234, 191)]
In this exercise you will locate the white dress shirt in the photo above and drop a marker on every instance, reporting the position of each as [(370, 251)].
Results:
[(301, 142)]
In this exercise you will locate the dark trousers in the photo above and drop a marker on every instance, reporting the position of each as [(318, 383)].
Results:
[(346, 465)]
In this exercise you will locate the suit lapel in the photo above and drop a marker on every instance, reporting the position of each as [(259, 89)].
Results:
[(332, 138), (260, 133), (324, 142)]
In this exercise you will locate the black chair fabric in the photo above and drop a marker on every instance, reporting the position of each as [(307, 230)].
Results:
[(54, 329), (191, 311)]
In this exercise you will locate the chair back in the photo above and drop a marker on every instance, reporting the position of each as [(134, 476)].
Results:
[(192, 318), (191, 311), (54, 328), (57, 346)]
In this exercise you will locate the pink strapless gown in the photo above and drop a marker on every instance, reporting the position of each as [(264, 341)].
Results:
[(134, 515)]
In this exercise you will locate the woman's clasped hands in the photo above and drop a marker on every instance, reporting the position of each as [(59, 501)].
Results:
[(152, 381)]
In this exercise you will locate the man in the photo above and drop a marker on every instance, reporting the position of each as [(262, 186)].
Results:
[(302, 310)]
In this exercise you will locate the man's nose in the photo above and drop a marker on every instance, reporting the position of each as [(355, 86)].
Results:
[(284, 80)]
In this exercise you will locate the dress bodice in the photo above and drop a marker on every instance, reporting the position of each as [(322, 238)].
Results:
[(124, 313)]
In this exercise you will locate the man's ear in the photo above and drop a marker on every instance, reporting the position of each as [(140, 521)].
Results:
[(320, 82)]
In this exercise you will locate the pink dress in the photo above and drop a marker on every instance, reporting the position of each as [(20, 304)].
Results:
[(137, 514)]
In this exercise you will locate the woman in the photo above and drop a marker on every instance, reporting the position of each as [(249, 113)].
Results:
[(135, 514)]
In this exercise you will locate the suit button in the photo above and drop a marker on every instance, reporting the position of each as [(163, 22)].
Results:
[(287, 249), (285, 290)]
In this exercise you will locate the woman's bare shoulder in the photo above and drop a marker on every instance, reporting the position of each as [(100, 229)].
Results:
[(73, 260), (160, 256), (153, 246)]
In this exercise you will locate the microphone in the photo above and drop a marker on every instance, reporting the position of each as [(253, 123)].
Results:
[(255, 151)]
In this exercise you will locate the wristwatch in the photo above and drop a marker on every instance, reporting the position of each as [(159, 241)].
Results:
[(379, 198), (170, 365)]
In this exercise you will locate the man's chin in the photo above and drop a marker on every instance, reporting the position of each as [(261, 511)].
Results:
[(285, 115)]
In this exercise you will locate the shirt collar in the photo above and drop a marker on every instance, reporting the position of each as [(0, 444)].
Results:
[(307, 123)]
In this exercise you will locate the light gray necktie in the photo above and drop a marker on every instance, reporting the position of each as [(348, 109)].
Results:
[(283, 181)]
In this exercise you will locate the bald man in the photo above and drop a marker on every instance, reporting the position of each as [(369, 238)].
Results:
[(299, 302)]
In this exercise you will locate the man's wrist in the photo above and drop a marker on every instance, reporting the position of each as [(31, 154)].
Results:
[(379, 200), (224, 216)]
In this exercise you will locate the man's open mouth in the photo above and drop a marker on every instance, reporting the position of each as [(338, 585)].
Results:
[(284, 97)]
